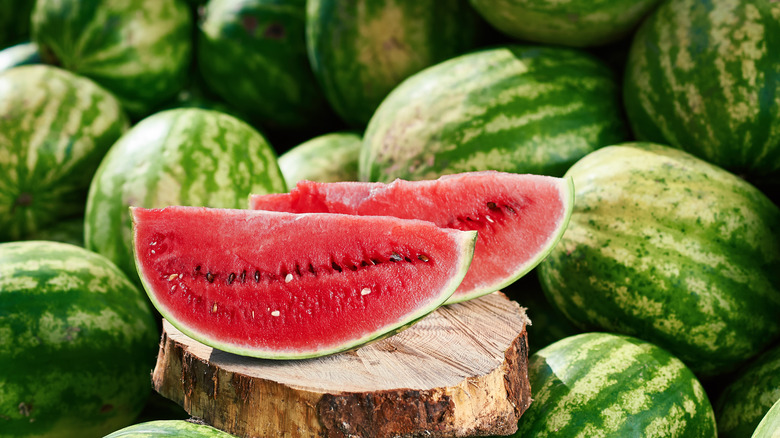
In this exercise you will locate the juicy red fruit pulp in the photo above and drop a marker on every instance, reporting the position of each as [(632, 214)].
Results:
[(282, 284)]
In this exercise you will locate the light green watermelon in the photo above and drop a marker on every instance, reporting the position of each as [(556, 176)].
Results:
[(77, 343), (745, 401), (573, 23), (361, 49), (55, 127), (515, 108), (606, 385), (703, 77), (769, 427), (185, 156), (329, 157), (252, 53), (671, 249), (138, 49), (169, 428)]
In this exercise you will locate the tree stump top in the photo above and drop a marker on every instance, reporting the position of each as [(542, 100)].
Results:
[(461, 371)]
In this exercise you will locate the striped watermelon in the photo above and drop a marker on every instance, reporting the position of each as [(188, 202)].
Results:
[(20, 54), (523, 109), (361, 49), (186, 156), (669, 248), (747, 399), (55, 128), (703, 76), (138, 49), (574, 23), (769, 427), (77, 341), (169, 428), (252, 53), (327, 158), (606, 385)]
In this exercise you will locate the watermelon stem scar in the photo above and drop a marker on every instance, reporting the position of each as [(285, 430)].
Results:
[(281, 285)]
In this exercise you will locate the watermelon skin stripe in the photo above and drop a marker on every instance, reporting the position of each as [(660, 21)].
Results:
[(361, 49), (515, 108), (745, 401), (607, 385), (253, 54), (175, 157), (705, 77), (573, 23), (671, 249), (47, 153), (140, 50), (77, 341)]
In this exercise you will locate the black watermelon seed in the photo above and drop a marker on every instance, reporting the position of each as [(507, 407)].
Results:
[(257, 276), (423, 257), (210, 277), (231, 278)]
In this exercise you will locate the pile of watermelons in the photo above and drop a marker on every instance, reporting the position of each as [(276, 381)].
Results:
[(658, 312)]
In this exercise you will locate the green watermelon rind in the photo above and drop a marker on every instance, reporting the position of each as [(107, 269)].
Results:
[(513, 108), (468, 240), (613, 386), (169, 428), (78, 342), (182, 156), (584, 23), (651, 222), (329, 157), (702, 76), (744, 401)]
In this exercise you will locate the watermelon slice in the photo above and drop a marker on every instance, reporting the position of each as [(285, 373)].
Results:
[(519, 217), (288, 286)]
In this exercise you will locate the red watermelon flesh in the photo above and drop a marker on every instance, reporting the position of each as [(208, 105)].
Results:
[(286, 286), (519, 217)]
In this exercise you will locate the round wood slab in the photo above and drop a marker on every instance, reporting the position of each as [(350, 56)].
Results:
[(461, 371)]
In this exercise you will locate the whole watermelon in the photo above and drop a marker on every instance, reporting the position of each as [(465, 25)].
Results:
[(171, 428), (515, 108), (138, 49), (361, 49), (78, 342), (329, 157), (252, 53), (671, 249), (606, 385), (745, 401), (573, 23), (703, 76), (55, 127), (186, 156)]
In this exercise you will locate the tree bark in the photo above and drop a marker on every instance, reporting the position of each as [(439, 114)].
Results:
[(460, 371)]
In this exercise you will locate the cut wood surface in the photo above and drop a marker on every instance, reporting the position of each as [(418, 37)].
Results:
[(461, 371)]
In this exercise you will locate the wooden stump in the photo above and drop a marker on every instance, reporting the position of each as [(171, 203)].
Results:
[(461, 371)]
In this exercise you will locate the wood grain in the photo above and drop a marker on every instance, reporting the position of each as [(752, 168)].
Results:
[(461, 371)]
